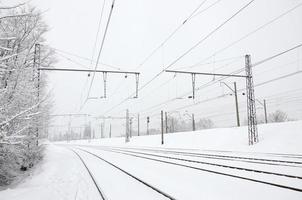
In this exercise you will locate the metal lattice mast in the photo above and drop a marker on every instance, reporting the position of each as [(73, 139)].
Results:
[(36, 81), (251, 107)]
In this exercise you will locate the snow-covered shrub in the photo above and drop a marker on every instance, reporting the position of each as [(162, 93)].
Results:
[(204, 123), (278, 116), (9, 163)]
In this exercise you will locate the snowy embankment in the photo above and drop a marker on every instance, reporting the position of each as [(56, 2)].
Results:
[(59, 176), (283, 137), (187, 175)]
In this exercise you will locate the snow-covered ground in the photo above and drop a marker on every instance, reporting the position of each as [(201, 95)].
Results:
[(60, 175), (283, 137), (208, 164)]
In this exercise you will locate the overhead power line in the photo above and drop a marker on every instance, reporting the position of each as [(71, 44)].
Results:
[(273, 57), (256, 85), (188, 51), (276, 55), (98, 30), (248, 34), (173, 33), (100, 51), (61, 52), (170, 35), (238, 71)]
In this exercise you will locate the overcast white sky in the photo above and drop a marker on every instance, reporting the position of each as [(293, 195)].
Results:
[(139, 26)]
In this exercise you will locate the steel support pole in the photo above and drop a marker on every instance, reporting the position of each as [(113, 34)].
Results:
[(236, 103), (193, 122), (162, 126), (130, 121), (110, 131), (265, 111), (127, 126), (138, 125), (105, 84), (148, 120), (251, 107), (166, 121), (193, 85), (36, 79)]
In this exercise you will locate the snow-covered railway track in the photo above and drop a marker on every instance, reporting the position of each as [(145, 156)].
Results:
[(213, 164), (183, 163), (164, 194), (102, 195), (219, 156)]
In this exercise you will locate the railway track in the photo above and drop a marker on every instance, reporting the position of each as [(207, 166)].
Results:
[(214, 164), (184, 163), (102, 195), (162, 193), (217, 156)]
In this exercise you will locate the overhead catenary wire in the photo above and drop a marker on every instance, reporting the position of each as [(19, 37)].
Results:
[(234, 58), (257, 85), (100, 51), (276, 55), (249, 34), (223, 95), (94, 47), (240, 70), (203, 10), (187, 51), (207, 84), (98, 31), (170, 35), (62, 52)]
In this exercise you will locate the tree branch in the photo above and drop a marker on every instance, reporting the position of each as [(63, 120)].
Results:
[(18, 15), (12, 7)]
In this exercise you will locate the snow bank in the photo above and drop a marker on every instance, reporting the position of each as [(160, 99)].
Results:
[(283, 137), (60, 176)]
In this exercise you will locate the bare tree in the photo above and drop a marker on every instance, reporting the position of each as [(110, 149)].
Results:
[(278, 116)]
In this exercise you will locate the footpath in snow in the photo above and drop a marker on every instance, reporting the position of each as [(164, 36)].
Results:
[(60, 176)]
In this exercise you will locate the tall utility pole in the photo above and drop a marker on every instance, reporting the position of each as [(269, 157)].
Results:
[(105, 84), (148, 121), (166, 121), (236, 102), (251, 107), (193, 122), (130, 122), (162, 126), (110, 131), (127, 126), (36, 76), (138, 124), (265, 112)]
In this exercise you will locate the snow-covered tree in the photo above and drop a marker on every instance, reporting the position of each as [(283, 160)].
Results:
[(204, 123), (24, 102)]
